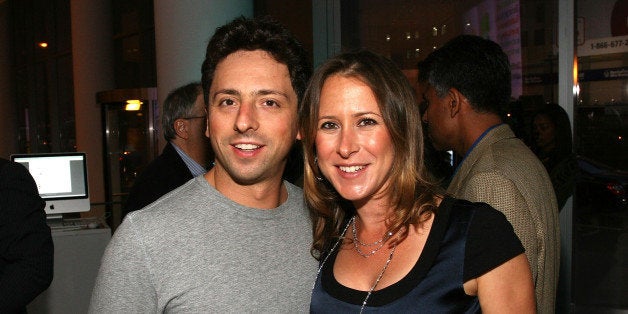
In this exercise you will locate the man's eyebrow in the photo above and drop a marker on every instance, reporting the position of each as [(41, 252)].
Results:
[(264, 92), (261, 92), (225, 91)]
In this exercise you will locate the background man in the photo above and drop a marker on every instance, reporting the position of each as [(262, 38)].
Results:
[(26, 249), (238, 238), (185, 156), (468, 83)]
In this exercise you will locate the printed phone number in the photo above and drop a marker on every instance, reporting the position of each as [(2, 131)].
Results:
[(609, 44)]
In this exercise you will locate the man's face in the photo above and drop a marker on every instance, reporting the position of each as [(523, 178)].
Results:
[(436, 115), (197, 138), (252, 121), (420, 90)]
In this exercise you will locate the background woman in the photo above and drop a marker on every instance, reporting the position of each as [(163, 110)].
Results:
[(551, 134), (387, 239)]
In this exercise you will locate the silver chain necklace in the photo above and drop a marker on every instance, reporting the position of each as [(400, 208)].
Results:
[(357, 243), (379, 277)]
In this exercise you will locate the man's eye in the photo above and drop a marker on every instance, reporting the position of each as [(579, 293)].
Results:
[(271, 103), (227, 102)]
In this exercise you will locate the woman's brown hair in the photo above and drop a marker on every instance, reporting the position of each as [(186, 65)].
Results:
[(412, 193)]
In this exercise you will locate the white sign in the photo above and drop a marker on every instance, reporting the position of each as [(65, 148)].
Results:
[(606, 45), (602, 27)]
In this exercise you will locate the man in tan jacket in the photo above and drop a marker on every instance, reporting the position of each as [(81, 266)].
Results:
[(467, 83)]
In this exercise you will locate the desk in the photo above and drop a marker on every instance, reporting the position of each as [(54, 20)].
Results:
[(76, 262)]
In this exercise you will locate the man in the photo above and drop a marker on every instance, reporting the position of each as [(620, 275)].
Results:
[(438, 163), (26, 249), (468, 82), (186, 154), (236, 239)]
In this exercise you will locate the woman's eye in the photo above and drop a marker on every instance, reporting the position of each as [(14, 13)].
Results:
[(366, 122), (328, 125)]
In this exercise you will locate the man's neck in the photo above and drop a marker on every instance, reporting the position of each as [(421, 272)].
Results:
[(266, 194), (474, 127), (196, 164), (191, 150)]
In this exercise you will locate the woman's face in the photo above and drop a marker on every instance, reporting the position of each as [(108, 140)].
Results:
[(544, 132), (353, 145)]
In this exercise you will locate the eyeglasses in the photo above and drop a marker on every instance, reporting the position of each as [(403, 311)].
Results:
[(196, 117)]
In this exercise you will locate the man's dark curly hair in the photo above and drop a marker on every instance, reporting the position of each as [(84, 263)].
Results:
[(475, 66), (250, 34)]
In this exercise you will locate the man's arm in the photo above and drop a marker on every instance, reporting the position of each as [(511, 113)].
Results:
[(26, 249), (501, 193), (124, 283)]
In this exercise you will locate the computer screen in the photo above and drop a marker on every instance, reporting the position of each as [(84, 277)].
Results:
[(61, 179)]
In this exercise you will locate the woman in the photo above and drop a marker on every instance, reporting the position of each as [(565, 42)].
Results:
[(386, 238), (551, 134)]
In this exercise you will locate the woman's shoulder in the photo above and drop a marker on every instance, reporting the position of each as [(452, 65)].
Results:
[(479, 215), (490, 238), (478, 209)]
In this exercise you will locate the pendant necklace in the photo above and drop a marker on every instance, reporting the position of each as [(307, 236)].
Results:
[(381, 274), (379, 277)]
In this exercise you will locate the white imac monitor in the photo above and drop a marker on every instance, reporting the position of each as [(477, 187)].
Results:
[(61, 179)]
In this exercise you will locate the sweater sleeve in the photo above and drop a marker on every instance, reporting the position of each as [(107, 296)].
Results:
[(124, 282), (491, 242)]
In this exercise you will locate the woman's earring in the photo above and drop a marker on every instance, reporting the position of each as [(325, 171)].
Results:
[(319, 178)]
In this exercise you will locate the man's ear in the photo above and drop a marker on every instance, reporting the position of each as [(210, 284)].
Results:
[(181, 128), (456, 101), (299, 137)]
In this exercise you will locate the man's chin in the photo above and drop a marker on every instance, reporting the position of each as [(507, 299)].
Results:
[(439, 147), (435, 144)]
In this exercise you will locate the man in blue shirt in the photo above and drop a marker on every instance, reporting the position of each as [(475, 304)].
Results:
[(468, 82), (187, 154)]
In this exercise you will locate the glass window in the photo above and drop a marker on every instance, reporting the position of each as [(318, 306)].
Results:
[(42, 69), (408, 30), (600, 238)]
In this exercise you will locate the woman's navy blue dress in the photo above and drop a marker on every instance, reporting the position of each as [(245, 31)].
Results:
[(466, 240)]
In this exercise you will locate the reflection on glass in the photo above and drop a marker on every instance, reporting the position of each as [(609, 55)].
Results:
[(527, 31)]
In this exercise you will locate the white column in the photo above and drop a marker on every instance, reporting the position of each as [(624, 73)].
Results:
[(92, 56), (182, 30), (566, 99)]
